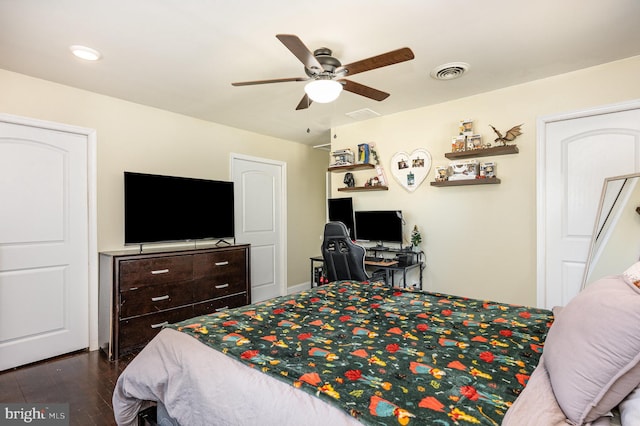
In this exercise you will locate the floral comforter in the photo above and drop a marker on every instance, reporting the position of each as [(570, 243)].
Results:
[(387, 355)]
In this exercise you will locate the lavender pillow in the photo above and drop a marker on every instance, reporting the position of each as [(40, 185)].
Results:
[(592, 351)]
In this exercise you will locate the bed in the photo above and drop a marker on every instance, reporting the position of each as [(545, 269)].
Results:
[(360, 352), (351, 353)]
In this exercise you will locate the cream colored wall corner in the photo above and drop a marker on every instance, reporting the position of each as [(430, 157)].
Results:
[(480, 241), (133, 137)]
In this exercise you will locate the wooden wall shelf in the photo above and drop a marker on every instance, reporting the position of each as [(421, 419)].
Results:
[(486, 152), (489, 181), (351, 167), (364, 188)]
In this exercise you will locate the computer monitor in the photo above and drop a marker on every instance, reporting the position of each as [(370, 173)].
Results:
[(341, 210), (379, 226)]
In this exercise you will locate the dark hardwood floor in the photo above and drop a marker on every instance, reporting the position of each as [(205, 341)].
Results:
[(84, 379)]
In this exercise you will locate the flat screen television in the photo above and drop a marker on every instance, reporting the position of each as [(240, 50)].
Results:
[(169, 208), (341, 210), (379, 226)]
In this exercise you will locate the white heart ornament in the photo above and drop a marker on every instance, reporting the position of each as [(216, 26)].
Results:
[(410, 170)]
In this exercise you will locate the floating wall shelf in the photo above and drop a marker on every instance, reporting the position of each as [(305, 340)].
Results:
[(364, 188), (486, 152), (489, 181), (351, 167)]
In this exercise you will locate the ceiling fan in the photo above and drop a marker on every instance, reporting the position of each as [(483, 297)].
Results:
[(325, 70)]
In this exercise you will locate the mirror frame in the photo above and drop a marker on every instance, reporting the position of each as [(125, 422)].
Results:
[(596, 226)]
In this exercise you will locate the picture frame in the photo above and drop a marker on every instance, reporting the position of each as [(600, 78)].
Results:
[(411, 169)]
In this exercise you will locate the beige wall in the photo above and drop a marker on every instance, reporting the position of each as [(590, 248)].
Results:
[(480, 241), (138, 138)]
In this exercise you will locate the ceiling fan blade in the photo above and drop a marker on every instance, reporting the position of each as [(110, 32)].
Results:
[(389, 58), (362, 90), (305, 102), (276, 80), (298, 48)]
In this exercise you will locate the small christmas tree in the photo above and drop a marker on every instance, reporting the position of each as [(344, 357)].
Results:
[(416, 238)]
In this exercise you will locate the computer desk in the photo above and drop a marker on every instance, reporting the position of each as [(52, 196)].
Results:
[(390, 267)]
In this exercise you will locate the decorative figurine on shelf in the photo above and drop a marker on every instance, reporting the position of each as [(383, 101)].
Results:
[(363, 153), (374, 181), (349, 180), (511, 135), (441, 173), (464, 170), (458, 143), (474, 142), (487, 170), (466, 127), (416, 238), (342, 157)]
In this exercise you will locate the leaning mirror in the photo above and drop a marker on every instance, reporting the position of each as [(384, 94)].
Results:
[(615, 244)]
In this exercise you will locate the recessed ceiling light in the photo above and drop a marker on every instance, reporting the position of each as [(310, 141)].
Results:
[(86, 53), (449, 71)]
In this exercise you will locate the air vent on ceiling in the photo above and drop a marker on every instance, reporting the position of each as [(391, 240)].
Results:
[(362, 114), (449, 71)]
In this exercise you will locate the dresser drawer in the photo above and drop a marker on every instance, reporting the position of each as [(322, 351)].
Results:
[(149, 299), (212, 288), (143, 272), (211, 306), (221, 264), (136, 332)]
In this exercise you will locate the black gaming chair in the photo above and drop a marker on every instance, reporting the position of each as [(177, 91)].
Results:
[(343, 259)]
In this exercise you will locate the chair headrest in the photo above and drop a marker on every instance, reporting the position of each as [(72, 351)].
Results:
[(336, 230)]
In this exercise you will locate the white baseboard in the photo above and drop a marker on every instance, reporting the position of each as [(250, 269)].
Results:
[(298, 287)]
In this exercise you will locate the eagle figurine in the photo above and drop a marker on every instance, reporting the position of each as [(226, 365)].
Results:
[(512, 133)]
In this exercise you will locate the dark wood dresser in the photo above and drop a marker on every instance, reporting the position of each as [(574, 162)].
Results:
[(141, 292)]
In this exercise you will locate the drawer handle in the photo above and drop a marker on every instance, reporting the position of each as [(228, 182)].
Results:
[(160, 324), (160, 271), (222, 309), (160, 298), (226, 262), (222, 286)]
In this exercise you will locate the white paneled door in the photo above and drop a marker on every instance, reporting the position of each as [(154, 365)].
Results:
[(576, 152), (260, 218), (44, 243)]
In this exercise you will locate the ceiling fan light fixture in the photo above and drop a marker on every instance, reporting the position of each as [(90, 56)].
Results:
[(323, 91)]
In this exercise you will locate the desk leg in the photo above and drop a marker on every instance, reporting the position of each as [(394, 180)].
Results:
[(311, 274)]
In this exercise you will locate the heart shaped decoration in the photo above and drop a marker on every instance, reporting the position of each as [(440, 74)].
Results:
[(410, 170)]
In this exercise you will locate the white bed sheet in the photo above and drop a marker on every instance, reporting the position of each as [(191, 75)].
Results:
[(201, 386)]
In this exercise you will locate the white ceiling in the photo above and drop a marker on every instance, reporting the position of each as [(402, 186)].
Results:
[(183, 55)]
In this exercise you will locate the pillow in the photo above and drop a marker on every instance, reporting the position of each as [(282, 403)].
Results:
[(630, 409), (633, 274), (592, 351)]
